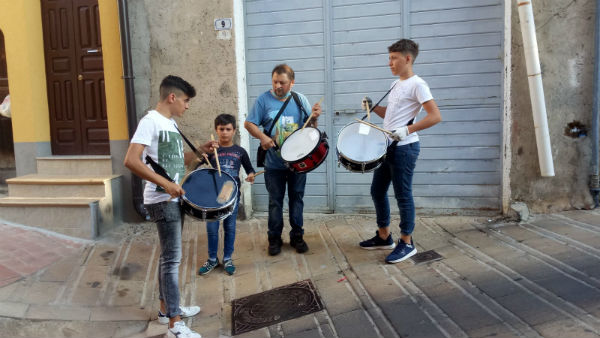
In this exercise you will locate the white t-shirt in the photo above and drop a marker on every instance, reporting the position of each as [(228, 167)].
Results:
[(165, 146), (404, 104)]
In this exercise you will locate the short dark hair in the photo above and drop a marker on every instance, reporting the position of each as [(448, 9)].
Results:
[(175, 84), (284, 69), (405, 46), (225, 119)]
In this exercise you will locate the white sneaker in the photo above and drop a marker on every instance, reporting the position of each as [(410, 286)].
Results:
[(179, 330), (186, 311)]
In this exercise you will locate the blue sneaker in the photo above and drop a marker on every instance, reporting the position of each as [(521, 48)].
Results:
[(378, 243), (229, 267), (208, 266), (401, 252)]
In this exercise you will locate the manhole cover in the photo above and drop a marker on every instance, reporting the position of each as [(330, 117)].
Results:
[(274, 306), (426, 256)]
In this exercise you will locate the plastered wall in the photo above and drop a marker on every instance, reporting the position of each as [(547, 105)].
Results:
[(565, 33)]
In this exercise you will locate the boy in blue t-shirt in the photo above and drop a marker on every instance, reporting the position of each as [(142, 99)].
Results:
[(231, 158)]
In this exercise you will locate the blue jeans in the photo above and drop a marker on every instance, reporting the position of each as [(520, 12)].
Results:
[(167, 216), (212, 232), (276, 181), (398, 168)]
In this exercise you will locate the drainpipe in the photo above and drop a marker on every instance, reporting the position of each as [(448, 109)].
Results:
[(137, 187), (536, 89), (594, 185)]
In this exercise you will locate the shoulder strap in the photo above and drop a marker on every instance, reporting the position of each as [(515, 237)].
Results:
[(278, 115), (300, 106), (378, 102)]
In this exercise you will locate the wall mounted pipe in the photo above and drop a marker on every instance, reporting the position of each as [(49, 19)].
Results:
[(595, 170), (536, 89), (137, 187)]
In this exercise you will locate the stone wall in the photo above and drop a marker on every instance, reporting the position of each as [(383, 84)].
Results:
[(180, 39), (565, 34)]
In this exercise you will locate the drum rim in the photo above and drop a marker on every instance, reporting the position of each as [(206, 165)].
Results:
[(201, 208), (322, 137), (337, 149)]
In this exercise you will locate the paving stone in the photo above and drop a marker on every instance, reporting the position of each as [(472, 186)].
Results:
[(529, 309), (336, 296), (408, 319), (103, 255), (300, 324), (314, 333), (41, 292), (61, 270), (353, 324), (564, 328), (128, 293), (584, 217), (58, 312), (13, 310), (579, 294), (495, 331), (118, 313)]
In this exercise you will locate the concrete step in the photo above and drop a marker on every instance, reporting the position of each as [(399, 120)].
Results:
[(36, 185), (75, 165), (74, 216)]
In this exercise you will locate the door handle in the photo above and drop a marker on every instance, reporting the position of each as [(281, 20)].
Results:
[(79, 77)]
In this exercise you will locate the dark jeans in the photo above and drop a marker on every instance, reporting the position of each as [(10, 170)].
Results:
[(167, 216), (212, 233), (398, 168), (276, 182)]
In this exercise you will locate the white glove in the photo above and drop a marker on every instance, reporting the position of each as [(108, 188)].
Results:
[(400, 134), (366, 100)]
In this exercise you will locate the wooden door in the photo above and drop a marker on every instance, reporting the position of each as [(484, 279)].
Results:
[(75, 77), (3, 70)]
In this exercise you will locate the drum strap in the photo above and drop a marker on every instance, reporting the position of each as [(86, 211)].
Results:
[(158, 168), (279, 114), (304, 114), (381, 99)]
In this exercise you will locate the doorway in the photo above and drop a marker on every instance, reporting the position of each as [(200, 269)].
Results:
[(75, 77), (7, 150)]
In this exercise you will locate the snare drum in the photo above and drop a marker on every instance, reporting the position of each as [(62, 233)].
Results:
[(305, 149), (360, 152), (202, 186)]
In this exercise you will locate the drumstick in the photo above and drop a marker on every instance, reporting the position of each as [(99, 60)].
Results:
[(311, 114), (374, 126), (212, 138), (207, 161)]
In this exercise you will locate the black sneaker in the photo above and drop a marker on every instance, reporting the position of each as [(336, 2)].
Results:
[(378, 243), (275, 244), (296, 241)]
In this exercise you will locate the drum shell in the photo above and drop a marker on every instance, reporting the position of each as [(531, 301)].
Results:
[(205, 212), (355, 165), (313, 158)]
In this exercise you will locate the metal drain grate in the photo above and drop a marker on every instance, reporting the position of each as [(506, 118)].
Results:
[(274, 306), (426, 256)]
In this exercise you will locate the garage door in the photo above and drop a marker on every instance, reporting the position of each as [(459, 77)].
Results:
[(339, 50)]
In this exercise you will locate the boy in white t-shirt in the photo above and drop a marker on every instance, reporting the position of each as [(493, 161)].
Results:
[(407, 95), (157, 137)]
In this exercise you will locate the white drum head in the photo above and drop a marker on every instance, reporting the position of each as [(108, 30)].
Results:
[(300, 143), (361, 147)]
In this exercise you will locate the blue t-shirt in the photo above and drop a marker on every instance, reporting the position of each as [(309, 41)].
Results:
[(263, 113)]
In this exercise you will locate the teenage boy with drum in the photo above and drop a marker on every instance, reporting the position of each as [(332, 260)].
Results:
[(407, 95), (277, 175), (157, 137), (231, 158)]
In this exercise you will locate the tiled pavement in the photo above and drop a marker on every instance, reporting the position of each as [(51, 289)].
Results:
[(496, 279)]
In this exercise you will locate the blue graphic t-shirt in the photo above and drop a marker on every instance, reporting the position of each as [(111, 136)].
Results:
[(231, 159), (263, 113)]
